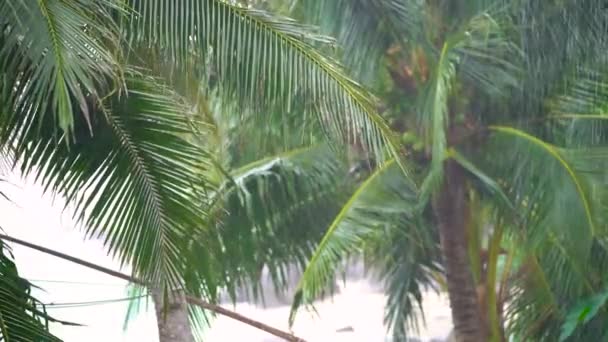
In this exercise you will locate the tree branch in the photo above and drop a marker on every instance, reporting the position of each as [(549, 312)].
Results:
[(191, 300)]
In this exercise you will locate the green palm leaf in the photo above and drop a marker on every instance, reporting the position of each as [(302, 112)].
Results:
[(271, 213), (556, 38), (559, 196), (364, 29), (22, 317), (383, 200), (559, 192), (479, 52), (579, 113), (488, 184), (582, 313), (435, 119), (262, 61), (487, 55), (58, 53), (406, 259), (554, 153), (137, 184)]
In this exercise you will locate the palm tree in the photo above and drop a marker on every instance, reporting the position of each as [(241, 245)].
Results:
[(472, 80), (23, 316), (121, 137), (100, 101)]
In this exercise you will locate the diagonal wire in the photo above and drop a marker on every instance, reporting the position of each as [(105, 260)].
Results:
[(90, 303)]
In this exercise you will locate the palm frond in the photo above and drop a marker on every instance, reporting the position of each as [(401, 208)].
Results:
[(578, 115), (559, 197), (487, 54), (383, 200), (58, 54), (565, 167), (582, 313), (405, 257), (271, 213), (435, 120), (6, 163), (262, 61), (556, 37), (478, 51), (22, 317), (364, 29), (248, 137), (139, 295), (137, 184), (569, 265), (488, 184), (541, 299)]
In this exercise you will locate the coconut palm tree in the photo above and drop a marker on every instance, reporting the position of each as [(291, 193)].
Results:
[(121, 136), (100, 101), (482, 88)]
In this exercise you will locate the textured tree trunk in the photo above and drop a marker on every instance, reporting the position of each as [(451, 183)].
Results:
[(172, 317), (450, 210)]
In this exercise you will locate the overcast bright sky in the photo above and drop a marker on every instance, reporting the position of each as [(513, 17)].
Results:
[(41, 220)]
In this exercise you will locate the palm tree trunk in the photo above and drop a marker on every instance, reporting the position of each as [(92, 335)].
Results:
[(450, 210), (172, 317)]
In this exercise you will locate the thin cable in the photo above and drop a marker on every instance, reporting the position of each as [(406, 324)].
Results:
[(90, 303), (74, 282), (191, 300)]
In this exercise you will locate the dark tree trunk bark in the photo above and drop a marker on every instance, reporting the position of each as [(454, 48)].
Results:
[(450, 211), (172, 317)]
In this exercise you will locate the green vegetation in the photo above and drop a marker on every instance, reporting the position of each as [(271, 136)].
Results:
[(203, 140)]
